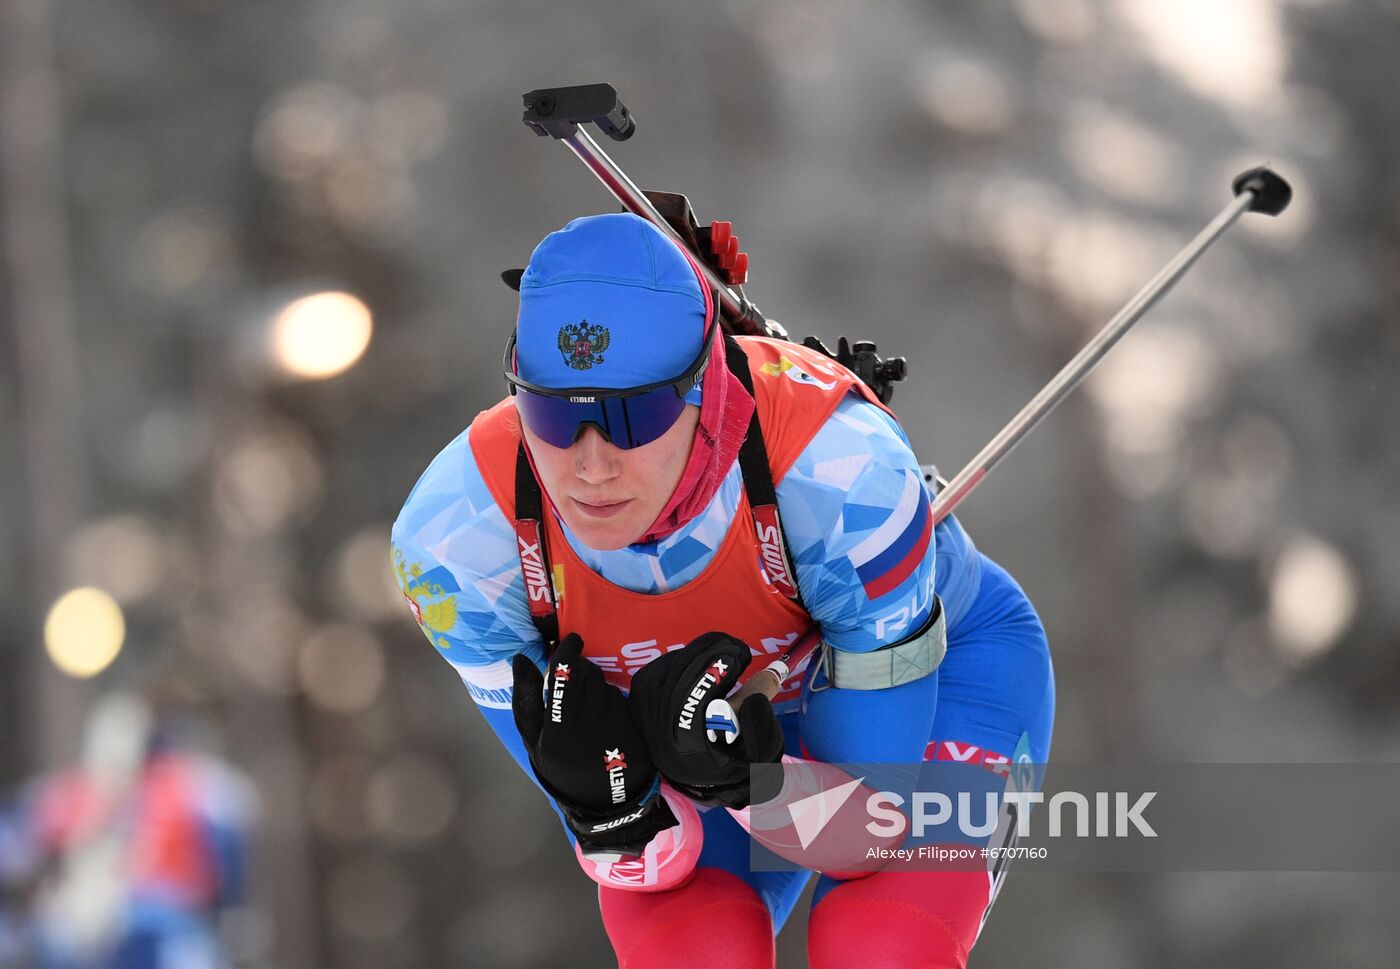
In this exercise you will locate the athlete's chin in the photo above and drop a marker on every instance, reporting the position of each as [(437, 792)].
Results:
[(605, 536)]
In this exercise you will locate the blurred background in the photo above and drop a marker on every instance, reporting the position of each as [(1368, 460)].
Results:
[(249, 259)]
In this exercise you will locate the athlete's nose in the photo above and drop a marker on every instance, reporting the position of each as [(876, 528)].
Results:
[(595, 460)]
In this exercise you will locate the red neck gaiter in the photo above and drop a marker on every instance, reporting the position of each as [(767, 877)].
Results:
[(725, 410)]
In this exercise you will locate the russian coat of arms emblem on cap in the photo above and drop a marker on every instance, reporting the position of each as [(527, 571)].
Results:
[(583, 343)]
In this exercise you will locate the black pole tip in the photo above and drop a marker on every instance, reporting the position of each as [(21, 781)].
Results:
[(1271, 193)]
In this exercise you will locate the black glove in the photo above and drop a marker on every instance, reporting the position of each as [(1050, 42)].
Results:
[(588, 754), (668, 700)]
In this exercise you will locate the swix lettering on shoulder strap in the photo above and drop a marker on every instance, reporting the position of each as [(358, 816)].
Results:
[(758, 484), (530, 543)]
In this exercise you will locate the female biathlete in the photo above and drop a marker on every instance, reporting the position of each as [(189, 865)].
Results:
[(653, 510)]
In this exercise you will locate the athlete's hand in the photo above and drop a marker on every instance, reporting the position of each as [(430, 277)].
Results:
[(668, 700), (587, 753)]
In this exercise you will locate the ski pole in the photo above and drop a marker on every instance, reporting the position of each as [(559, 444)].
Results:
[(1257, 190), (560, 113)]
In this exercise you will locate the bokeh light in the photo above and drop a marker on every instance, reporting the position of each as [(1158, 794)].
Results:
[(1059, 21), (1231, 52), (304, 129), (362, 580), (1098, 259), (1149, 390), (270, 476), (321, 335), (341, 668), (411, 799), (965, 95), (369, 198), (183, 253), (1313, 596), (258, 642), (84, 631), (122, 554), (1123, 156), (1017, 217), (1156, 379)]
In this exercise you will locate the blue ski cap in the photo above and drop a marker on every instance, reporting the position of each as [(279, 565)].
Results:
[(613, 282)]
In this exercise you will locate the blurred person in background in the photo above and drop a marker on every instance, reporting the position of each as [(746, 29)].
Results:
[(613, 504), (128, 860)]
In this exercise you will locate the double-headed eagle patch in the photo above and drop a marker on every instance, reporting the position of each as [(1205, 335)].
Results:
[(583, 343)]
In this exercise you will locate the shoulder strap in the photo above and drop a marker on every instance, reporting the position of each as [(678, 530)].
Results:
[(758, 483), (534, 557)]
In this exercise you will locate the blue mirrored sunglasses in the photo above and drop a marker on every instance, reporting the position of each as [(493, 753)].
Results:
[(626, 418)]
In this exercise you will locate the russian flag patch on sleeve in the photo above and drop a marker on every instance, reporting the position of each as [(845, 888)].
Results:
[(891, 553)]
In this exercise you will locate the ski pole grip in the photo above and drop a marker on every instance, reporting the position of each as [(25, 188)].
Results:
[(558, 111), (1271, 192), (767, 681)]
